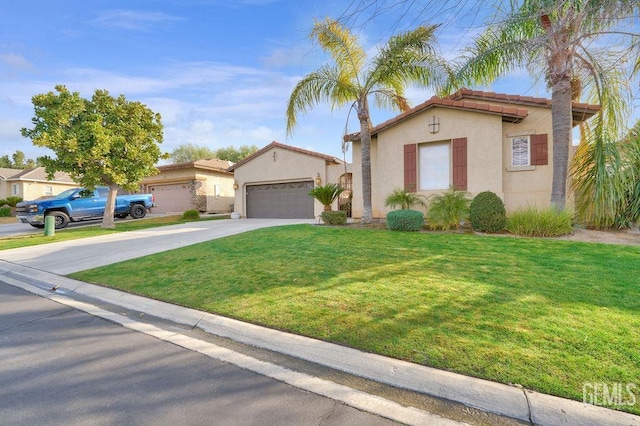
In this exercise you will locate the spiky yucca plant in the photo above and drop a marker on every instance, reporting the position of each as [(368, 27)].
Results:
[(326, 194), (405, 200), (447, 210)]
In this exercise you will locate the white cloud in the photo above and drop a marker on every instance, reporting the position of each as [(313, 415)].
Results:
[(134, 20), (15, 63)]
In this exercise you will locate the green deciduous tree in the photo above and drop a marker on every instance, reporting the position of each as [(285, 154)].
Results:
[(17, 161), (189, 152), (234, 154), (408, 58), (577, 44), (103, 141)]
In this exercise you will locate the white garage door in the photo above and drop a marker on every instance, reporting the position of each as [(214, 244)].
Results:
[(174, 198), (280, 200)]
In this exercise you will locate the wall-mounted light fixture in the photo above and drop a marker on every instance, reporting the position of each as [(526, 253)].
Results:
[(318, 179), (235, 184)]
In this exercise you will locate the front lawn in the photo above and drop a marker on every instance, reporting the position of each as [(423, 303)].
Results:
[(549, 315)]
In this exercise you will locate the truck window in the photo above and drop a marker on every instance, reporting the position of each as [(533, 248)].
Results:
[(85, 193), (102, 192)]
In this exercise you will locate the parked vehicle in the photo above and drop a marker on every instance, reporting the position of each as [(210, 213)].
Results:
[(78, 204)]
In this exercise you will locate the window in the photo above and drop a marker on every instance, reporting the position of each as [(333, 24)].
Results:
[(435, 165), (48, 190), (520, 152), (15, 189)]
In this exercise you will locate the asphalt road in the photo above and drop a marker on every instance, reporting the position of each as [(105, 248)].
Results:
[(63, 366)]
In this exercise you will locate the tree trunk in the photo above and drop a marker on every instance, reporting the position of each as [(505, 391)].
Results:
[(110, 208), (562, 120), (365, 149)]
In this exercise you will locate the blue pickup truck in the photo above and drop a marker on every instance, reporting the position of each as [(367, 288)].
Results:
[(78, 204)]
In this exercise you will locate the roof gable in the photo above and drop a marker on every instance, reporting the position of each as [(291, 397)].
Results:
[(275, 144), (512, 111), (6, 173)]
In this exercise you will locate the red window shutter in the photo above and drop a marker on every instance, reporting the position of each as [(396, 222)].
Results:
[(539, 150), (410, 168), (459, 149)]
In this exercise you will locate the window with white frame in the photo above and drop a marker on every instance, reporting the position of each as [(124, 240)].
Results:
[(15, 189), (48, 190), (520, 151), (435, 165)]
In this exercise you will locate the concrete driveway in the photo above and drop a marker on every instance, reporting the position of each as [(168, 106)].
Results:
[(78, 255)]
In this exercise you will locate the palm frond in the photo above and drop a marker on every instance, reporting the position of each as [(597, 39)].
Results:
[(341, 45)]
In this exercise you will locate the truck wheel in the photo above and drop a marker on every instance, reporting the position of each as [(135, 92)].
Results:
[(62, 220), (137, 211)]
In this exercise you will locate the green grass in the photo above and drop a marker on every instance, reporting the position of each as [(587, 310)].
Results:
[(549, 315), (91, 231)]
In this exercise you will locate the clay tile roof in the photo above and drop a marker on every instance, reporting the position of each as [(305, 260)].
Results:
[(275, 144), (40, 174), (467, 99), (213, 164)]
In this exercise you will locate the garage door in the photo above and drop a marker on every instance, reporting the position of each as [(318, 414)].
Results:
[(280, 200), (175, 198)]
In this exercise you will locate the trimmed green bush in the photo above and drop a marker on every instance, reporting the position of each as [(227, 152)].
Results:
[(487, 213), (331, 217), (13, 200), (5, 211), (531, 222), (405, 220), (191, 215)]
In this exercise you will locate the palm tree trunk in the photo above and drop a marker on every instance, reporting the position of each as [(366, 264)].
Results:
[(365, 150), (562, 120)]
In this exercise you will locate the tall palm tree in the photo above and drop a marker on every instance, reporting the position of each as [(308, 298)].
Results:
[(406, 58), (574, 44)]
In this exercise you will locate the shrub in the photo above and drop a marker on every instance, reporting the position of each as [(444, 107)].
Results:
[(447, 210), (331, 217), (191, 215), (405, 220), (531, 222), (5, 211), (13, 200), (487, 213), (404, 200), (3, 202), (326, 194)]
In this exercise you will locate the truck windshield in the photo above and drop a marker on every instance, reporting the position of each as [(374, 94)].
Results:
[(66, 193)]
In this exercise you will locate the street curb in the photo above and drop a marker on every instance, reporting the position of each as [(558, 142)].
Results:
[(492, 397)]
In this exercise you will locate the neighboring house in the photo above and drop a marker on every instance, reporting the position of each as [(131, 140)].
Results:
[(33, 183), (203, 185), (472, 140), (275, 181)]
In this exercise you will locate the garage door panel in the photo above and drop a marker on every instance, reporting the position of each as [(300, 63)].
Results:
[(280, 200), (174, 198)]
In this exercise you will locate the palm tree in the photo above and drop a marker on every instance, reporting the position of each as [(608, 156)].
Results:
[(405, 58), (560, 39), (326, 194), (404, 199)]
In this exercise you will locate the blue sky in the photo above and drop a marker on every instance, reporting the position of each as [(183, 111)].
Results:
[(218, 71)]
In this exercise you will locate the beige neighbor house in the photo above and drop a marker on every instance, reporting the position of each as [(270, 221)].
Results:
[(203, 185), (472, 140), (33, 183), (274, 182)]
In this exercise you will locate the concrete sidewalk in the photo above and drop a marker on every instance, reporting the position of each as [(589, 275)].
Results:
[(520, 404)]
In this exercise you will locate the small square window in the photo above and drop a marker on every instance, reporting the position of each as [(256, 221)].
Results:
[(520, 151), (48, 190), (15, 189)]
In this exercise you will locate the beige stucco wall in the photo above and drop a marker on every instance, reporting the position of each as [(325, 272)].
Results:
[(488, 156), (288, 166), (33, 190)]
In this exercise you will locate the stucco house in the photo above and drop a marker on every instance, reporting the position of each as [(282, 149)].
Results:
[(471, 140), (32, 183), (274, 182), (203, 185)]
